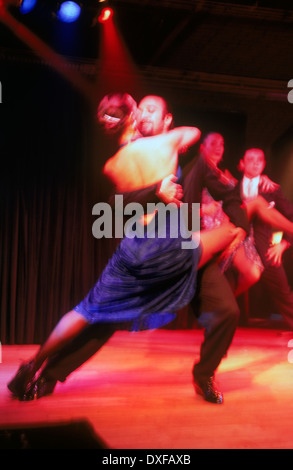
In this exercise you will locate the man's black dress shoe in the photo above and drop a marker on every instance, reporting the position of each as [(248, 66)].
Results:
[(21, 381), (208, 391), (40, 388)]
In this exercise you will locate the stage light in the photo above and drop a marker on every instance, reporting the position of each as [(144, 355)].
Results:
[(27, 6), (69, 12), (105, 15)]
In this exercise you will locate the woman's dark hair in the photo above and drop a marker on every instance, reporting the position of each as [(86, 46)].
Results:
[(113, 111)]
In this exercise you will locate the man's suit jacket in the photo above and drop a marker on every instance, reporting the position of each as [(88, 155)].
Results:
[(203, 176)]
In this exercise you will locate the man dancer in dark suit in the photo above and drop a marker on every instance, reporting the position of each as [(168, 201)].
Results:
[(214, 303), (274, 277)]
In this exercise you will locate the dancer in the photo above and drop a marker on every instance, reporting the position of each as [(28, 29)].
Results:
[(214, 302), (245, 258), (274, 276), (148, 279)]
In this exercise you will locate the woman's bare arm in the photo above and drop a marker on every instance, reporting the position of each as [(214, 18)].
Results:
[(185, 136)]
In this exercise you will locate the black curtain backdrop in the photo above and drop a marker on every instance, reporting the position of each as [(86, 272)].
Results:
[(50, 179)]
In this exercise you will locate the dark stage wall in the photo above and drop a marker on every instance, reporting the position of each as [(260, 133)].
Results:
[(49, 183)]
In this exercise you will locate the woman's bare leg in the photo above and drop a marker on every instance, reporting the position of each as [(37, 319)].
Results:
[(261, 208), (249, 272), (214, 241), (66, 329)]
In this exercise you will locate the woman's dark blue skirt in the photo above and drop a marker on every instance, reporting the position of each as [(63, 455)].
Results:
[(144, 284)]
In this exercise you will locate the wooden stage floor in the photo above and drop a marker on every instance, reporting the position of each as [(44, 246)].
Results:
[(137, 393)]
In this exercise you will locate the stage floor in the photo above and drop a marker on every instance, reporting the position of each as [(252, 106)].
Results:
[(137, 393)]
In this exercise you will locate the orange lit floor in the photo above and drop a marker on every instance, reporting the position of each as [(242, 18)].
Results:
[(137, 393)]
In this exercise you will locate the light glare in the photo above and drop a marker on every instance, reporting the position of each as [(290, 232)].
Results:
[(69, 12), (27, 6), (105, 15)]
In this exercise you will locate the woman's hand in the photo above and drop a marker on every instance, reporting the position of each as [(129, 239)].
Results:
[(240, 236), (169, 191)]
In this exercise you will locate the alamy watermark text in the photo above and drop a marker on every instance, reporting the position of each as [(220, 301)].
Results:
[(169, 221)]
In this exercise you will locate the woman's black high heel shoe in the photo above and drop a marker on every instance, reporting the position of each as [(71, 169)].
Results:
[(18, 385), (39, 388)]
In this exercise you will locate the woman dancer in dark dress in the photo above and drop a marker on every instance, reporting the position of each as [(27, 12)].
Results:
[(148, 279)]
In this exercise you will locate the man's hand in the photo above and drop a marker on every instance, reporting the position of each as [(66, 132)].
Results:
[(275, 253), (169, 191), (266, 185)]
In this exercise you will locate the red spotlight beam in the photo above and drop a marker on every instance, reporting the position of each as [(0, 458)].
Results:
[(117, 70), (45, 52)]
